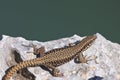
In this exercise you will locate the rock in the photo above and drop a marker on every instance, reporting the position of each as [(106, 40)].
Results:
[(105, 67)]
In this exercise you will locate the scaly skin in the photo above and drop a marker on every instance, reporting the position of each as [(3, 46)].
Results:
[(56, 57)]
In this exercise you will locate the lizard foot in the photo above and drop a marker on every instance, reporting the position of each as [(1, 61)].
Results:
[(85, 59), (92, 58), (57, 73)]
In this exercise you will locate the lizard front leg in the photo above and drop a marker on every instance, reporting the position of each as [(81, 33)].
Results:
[(82, 59)]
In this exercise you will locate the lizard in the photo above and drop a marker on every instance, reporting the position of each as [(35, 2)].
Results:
[(55, 57)]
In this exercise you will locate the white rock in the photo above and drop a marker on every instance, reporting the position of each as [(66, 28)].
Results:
[(107, 66)]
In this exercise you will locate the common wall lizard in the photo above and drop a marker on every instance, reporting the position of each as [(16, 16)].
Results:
[(55, 57)]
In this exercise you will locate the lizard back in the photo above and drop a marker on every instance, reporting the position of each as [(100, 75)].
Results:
[(54, 57)]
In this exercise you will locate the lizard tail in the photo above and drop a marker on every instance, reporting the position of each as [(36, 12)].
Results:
[(19, 66)]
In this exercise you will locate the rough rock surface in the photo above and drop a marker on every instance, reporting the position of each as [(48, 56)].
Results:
[(105, 67)]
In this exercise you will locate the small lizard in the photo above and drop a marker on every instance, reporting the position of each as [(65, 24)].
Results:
[(55, 57)]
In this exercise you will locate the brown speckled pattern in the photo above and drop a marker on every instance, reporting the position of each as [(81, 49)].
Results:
[(55, 57)]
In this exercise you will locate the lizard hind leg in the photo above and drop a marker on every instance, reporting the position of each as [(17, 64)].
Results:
[(71, 44), (39, 51), (55, 72)]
